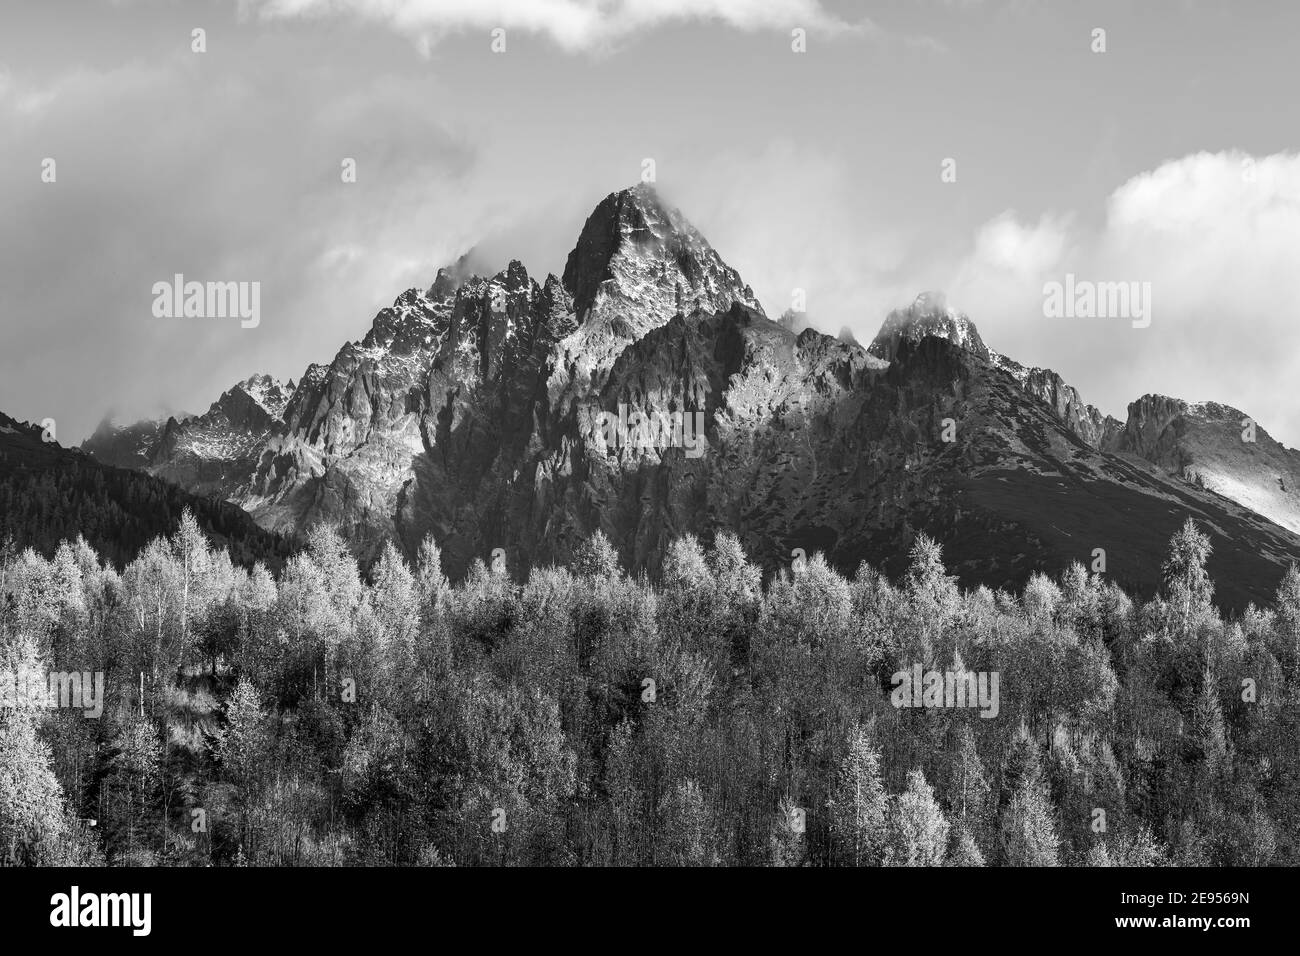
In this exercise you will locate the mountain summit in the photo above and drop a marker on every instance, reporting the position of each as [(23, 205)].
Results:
[(637, 252), (929, 315), (637, 263), (1217, 448)]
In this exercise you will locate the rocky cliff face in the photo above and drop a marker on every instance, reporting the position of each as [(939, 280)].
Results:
[(1218, 448), (451, 372), (216, 452), (645, 393), (1090, 424)]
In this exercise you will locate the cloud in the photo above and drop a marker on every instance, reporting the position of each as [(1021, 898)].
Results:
[(1005, 245), (214, 179), (791, 217), (24, 98), (573, 25), (1215, 234)]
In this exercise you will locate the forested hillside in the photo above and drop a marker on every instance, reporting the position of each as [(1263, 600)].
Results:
[(49, 494), (583, 717)]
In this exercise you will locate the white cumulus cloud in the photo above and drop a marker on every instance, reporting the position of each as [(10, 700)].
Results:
[(1215, 234)]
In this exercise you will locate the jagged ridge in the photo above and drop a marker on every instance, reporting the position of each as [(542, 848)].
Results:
[(468, 411)]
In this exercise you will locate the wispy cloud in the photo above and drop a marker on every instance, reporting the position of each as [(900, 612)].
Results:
[(573, 25), (24, 98)]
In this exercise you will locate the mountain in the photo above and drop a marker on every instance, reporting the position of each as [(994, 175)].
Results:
[(1218, 448), (1088, 423), (637, 263), (49, 494), (206, 453), (1018, 489), (928, 316), (125, 445), (500, 411)]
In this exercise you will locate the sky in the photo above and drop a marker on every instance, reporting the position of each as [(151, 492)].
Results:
[(977, 147)]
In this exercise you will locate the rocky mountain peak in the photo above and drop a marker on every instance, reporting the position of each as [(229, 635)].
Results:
[(928, 315), (515, 276), (128, 445), (449, 278), (931, 317), (637, 264), (1218, 448), (264, 390), (635, 248)]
